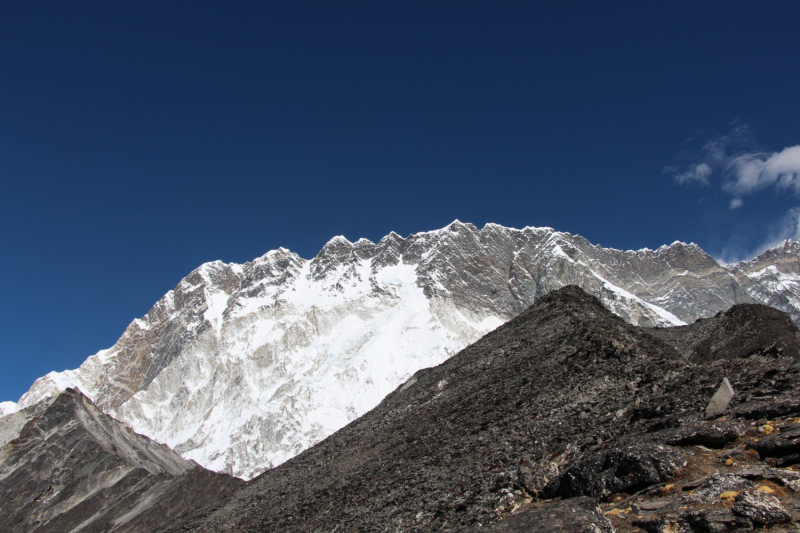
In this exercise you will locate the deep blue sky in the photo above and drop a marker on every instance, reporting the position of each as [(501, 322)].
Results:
[(141, 139)]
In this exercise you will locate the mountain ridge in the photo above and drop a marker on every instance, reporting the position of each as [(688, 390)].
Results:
[(240, 367), (65, 466)]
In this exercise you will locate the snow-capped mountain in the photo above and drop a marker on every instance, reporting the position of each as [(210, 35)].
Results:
[(772, 278), (241, 367)]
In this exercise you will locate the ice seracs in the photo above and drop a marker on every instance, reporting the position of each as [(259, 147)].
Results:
[(241, 367)]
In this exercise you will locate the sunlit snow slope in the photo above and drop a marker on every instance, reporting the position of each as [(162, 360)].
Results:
[(241, 367)]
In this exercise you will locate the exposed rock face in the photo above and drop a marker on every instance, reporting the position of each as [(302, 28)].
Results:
[(65, 466), (468, 443), (772, 278), (241, 367)]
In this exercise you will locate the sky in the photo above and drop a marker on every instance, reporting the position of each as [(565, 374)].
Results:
[(139, 140)]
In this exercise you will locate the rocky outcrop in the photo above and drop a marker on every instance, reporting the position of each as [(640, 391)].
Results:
[(623, 469), (241, 367), (65, 466), (576, 515), (740, 332), (715, 434), (567, 401), (783, 447)]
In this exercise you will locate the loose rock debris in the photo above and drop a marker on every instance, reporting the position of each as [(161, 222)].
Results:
[(564, 419)]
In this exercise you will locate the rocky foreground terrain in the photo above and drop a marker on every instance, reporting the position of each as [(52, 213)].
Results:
[(67, 467), (242, 367), (566, 418)]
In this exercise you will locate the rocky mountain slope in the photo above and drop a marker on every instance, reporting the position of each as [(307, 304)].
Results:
[(241, 367), (771, 278), (65, 466), (566, 418)]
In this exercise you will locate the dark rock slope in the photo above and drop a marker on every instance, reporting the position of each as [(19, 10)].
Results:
[(564, 408), (65, 466)]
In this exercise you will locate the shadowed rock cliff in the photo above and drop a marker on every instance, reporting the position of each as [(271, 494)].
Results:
[(65, 466)]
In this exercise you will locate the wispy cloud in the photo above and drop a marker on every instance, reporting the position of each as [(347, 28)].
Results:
[(699, 174), (786, 228), (749, 173), (740, 168), (739, 249), (703, 155)]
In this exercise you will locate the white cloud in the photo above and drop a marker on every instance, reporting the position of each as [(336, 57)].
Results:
[(699, 173), (741, 169), (749, 173), (698, 164)]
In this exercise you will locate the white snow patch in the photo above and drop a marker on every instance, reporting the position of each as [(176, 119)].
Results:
[(660, 311), (6, 408), (217, 302)]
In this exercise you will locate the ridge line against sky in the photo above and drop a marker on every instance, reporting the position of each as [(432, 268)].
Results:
[(140, 140)]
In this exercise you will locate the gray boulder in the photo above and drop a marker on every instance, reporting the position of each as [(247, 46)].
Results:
[(761, 508), (718, 483)]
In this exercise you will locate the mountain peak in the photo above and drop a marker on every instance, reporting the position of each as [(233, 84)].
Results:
[(338, 240), (457, 225), (284, 351), (338, 247)]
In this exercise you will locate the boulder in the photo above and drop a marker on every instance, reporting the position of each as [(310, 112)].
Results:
[(627, 469), (774, 408), (714, 485), (714, 434), (783, 446), (715, 521), (761, 508), (787, 478)]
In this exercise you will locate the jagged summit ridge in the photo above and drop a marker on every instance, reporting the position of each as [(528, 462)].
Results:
[(241, 367)]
